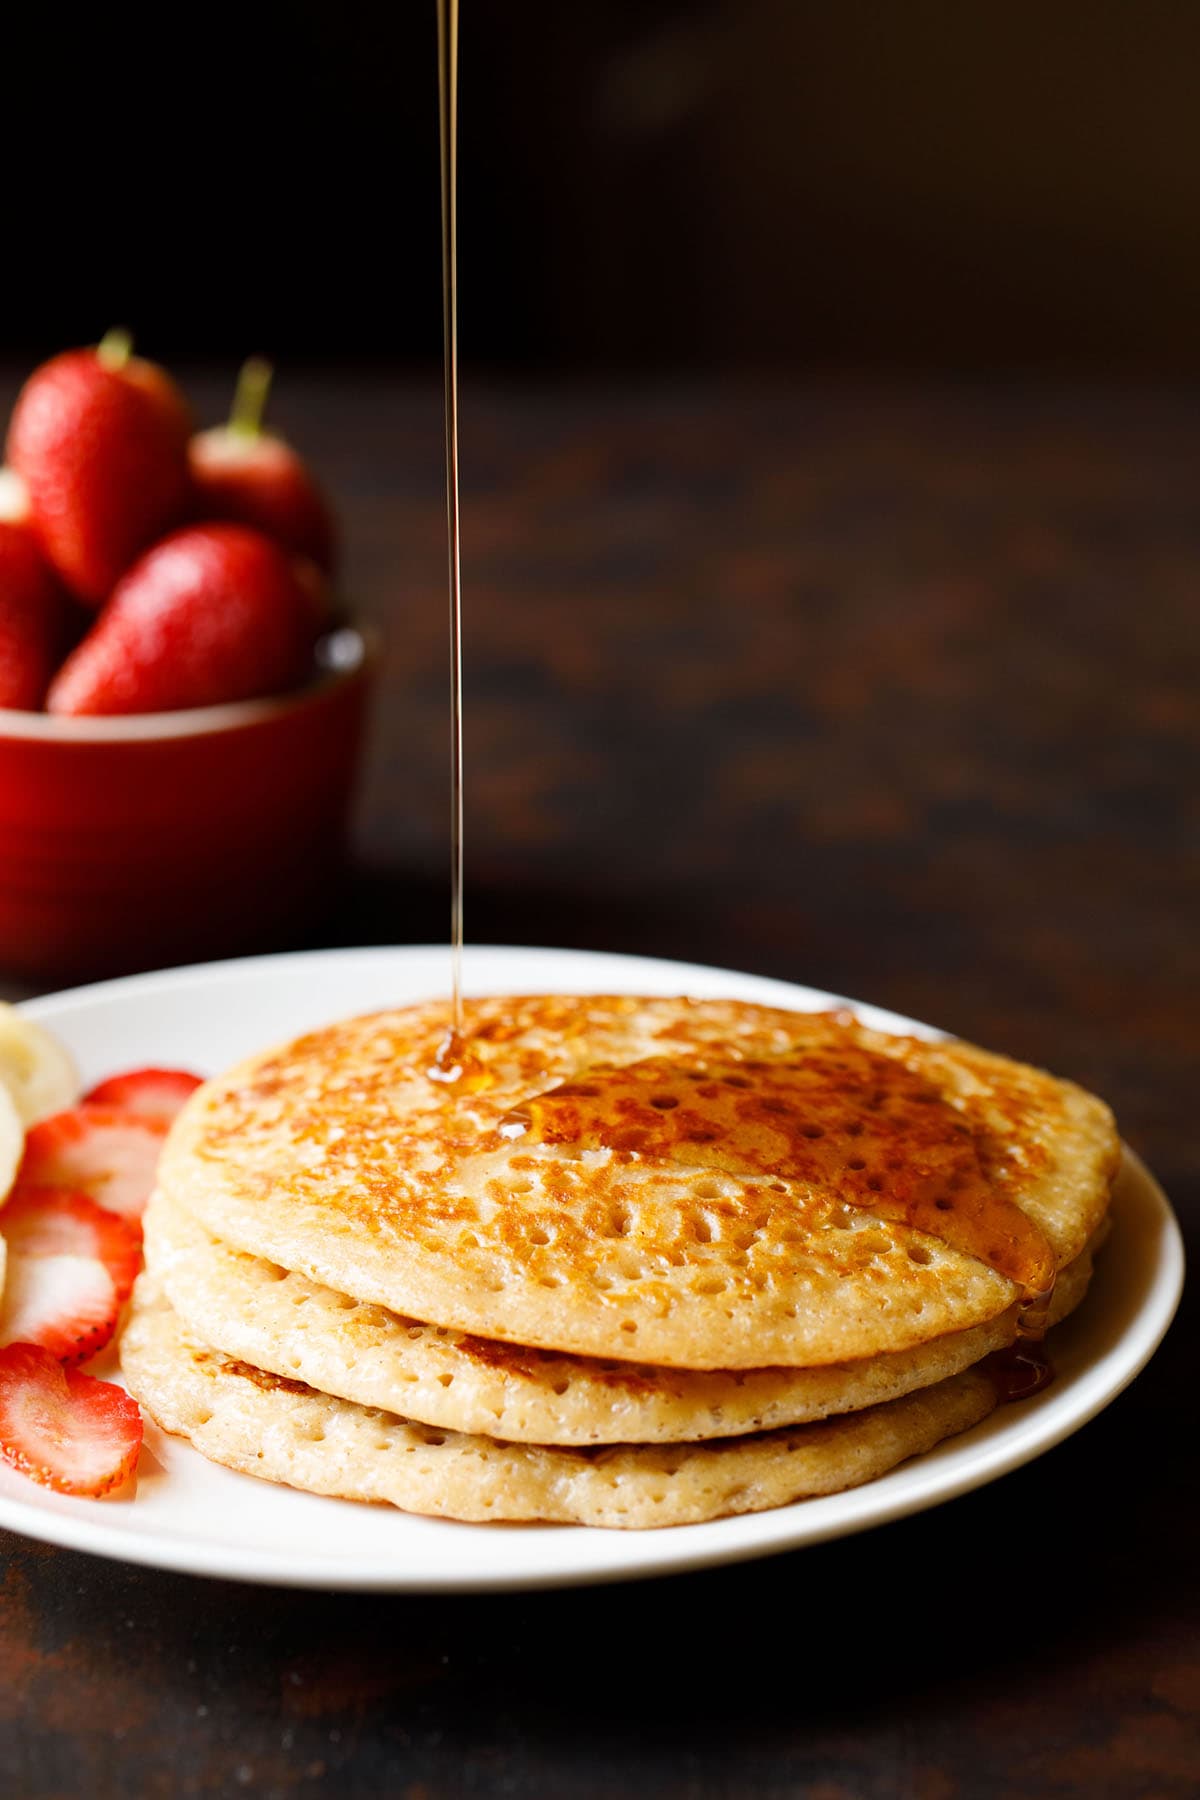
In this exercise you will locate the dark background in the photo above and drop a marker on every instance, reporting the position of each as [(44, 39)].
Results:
[(782, 182), (832, 550)]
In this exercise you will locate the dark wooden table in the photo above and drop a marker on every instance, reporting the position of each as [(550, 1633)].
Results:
[(891, 690)]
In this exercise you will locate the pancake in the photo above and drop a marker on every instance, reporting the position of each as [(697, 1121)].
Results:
[(259, 1313), (283, 1431), (697, 1185)]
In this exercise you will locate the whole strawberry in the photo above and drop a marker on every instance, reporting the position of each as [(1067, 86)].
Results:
[(100, 439), (212, 613), (243, 473), (34, 612)]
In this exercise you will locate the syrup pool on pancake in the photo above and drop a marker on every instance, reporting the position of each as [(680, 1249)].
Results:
[(842, 1117)]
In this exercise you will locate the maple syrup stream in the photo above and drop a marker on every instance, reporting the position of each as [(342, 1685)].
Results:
[(450, 1057)]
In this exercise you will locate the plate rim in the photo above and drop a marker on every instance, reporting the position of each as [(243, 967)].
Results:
[(959, 1466)]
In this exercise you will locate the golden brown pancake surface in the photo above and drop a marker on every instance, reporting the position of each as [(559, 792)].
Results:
[(708, 1184)]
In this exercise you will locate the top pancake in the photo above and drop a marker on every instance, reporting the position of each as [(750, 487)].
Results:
[(707, 1184)]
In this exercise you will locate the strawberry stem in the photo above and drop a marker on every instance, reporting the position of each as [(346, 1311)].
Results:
[(115, 348), (250, 397)]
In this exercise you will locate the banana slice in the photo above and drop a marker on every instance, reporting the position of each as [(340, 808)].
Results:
[(12, 1142), (36, 1070)]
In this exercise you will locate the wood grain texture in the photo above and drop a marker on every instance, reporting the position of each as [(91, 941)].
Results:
[(888, 689)]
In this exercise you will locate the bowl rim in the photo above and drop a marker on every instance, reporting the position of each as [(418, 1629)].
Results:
[(197, 721)]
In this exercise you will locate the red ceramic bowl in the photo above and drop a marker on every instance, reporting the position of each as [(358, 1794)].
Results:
[(131, 843)]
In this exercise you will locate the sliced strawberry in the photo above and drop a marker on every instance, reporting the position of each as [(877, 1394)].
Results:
[(44, 1221), (67, 1304), (69, 1431), (154, 1093), (110, 1155)]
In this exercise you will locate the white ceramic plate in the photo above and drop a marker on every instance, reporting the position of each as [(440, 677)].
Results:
[(189, 1514)]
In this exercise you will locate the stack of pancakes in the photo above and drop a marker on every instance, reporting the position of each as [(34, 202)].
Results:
[(637, 1262)]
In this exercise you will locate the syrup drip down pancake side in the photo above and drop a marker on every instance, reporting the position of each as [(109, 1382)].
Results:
[(700, 1185)]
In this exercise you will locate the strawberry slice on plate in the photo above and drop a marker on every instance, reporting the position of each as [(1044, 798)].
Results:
[(65, 1429), (67, 1304), (153, 1093), (42, 1221), (108, 1154)]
